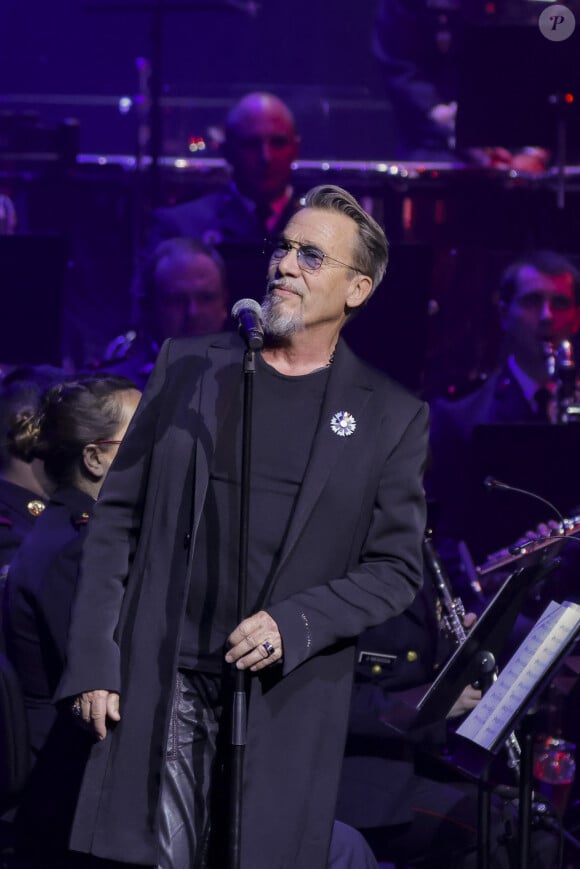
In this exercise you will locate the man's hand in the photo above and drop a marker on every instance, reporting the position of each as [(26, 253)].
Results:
[(467, 700), (469, 619), (444, 115), (255, 643), (92, 708)]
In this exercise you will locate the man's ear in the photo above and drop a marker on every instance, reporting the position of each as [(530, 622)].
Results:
[(93, 461), (359, 291)]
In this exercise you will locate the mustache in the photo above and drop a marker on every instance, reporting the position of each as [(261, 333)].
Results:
[(284, 284)]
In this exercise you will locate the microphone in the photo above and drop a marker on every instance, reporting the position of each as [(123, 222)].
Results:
[(491, 483), (248, 314)]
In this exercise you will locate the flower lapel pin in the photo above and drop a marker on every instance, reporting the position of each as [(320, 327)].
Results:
[(343, 424)]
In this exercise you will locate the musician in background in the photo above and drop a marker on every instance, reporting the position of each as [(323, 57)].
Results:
[(417, 44), (24, 487), (409, 807), (539, 307), (261, 143), (182, 293)]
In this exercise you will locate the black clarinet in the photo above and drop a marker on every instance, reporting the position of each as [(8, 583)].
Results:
[(452, 613), (452, 609)]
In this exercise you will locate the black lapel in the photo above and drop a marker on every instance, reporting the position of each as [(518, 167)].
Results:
[(349, 391), (218, 388)]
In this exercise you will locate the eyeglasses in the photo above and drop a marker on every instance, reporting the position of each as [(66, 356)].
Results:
[(309, 257), (104, 441)]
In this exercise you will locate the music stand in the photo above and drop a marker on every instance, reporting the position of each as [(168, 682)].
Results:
[(483, 645), (485, 730)]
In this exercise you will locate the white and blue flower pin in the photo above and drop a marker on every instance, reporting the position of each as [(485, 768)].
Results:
[(343, 424)]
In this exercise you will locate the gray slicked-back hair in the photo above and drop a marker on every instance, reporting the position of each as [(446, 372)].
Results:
[(371, 252)]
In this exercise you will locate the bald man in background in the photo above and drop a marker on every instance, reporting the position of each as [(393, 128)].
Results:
[(260, 146)]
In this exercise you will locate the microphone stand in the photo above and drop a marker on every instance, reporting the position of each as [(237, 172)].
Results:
[(239, 704)]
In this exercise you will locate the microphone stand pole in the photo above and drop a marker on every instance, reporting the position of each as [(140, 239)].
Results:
[(239, 711)]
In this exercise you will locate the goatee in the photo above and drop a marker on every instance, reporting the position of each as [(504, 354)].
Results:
[(278, 322)]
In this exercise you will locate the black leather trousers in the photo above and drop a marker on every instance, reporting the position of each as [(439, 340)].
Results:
[(184, 822)]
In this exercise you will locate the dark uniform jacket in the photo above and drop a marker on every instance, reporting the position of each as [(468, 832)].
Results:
[(449, 482), (378, 775), (19, 508), (351, 558), (215, 218), (38, 600), (37, 606)]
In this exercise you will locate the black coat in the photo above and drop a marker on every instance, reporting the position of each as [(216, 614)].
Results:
[(351, 558)]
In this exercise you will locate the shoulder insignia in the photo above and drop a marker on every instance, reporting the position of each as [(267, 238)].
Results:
[(35, 507)]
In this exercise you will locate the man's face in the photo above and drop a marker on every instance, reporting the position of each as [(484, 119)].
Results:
[(261, 149), (543, 309), (299, 298), (190, 297)]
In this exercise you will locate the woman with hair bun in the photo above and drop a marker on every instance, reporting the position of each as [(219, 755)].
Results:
[(76, 433), (24, 488)]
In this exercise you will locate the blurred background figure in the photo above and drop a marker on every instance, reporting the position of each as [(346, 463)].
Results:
[(410, 804), (182, 293), (8, 217), (24, 486), (75, 433), (261, 144), (539, 308), (418, 44)]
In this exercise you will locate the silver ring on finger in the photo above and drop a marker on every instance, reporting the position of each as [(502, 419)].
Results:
[(268, 648), (76, 708)]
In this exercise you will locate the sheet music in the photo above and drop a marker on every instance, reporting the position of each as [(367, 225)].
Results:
[(487, 724)]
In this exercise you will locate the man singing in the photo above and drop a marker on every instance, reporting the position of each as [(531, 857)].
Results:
[(336, 525)]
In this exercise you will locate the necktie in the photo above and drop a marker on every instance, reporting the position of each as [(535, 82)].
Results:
[(543, 399)]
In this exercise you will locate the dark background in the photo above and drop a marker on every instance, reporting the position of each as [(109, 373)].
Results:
[(82, 54), (70, 64)]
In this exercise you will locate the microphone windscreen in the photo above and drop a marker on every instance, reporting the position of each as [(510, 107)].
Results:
[(246, 305)]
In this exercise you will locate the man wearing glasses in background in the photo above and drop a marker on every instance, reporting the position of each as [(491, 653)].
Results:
[(335, 534)]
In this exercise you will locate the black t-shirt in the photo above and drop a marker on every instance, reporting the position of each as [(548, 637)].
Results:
[(286, 411)]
